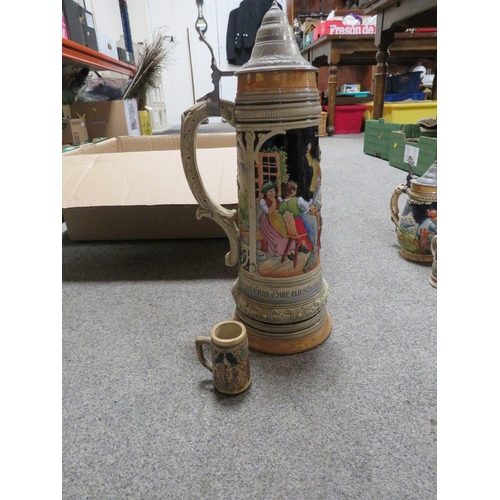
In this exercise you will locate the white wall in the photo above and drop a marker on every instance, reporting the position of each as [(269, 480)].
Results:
[(177, 17), (190, 73)]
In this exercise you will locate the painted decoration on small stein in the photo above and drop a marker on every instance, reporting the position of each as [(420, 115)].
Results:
[(417, 224)]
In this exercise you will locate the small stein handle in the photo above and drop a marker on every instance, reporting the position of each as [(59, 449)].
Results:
[(227, 219), (401, 188), (200, 342), (434, 242)]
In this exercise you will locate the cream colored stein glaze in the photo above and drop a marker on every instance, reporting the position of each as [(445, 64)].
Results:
[(434, 269), (417, 225), (275, 235), (230, 357)]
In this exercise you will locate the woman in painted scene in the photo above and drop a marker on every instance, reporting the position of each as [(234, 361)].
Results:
[(271, 224)]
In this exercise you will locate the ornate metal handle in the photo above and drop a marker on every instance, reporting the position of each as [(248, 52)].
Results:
[(200, 342), (401, 188), (227, 219)]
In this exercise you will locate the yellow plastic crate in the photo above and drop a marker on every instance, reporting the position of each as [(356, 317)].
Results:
[(404, 112)]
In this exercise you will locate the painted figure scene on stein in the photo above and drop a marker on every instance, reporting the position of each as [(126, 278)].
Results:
[(417, 227), (287, 202)]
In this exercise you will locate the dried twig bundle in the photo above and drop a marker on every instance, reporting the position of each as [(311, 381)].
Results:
[(148, 76)]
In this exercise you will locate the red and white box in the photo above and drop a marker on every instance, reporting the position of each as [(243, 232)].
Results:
[(340, 27), (360, 29)]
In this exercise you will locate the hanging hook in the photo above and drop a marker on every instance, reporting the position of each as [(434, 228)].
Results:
[(201, 23), (213, 98)]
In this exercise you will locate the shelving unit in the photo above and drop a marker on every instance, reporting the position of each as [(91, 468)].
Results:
[(78, 55)]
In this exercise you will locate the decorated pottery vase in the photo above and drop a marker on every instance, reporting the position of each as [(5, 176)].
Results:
[(275, 235), (416, 226)]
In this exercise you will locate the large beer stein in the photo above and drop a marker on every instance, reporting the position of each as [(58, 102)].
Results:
[(275, 235), (417, 224)]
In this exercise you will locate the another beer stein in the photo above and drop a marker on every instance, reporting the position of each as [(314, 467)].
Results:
[(275, 235), (417, 225), (230, 357)]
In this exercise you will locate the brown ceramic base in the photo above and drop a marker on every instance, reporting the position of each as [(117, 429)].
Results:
[(234, 393), (283, 344), (416, 257)]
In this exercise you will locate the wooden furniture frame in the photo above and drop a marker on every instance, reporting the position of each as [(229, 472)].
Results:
[(337, 50), (405, 47)]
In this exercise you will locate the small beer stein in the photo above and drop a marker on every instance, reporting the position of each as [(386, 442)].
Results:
[(230, 357)]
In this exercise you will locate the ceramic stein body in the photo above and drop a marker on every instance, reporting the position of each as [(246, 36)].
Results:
[(230, 358), (275, 235), (417, 224)]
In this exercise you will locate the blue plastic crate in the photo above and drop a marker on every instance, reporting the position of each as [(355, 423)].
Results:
[(418, 96), (406, 83)]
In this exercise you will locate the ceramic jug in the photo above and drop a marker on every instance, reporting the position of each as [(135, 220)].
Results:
[(275, 235), (417, 224)]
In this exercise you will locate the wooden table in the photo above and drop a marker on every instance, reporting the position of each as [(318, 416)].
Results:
[(346, 50), (395, 16)]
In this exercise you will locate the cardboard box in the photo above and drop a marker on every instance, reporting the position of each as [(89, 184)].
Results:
[(125, 55), (109, 118), (106, 45), (309, 26), (74, 131), (130, 188), (350, 87), (308, 39), (340, 26), (362, 29), (66, 111), (323, 28)]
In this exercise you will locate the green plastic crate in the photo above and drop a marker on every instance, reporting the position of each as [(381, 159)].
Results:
[(377, 140), (427, 151)]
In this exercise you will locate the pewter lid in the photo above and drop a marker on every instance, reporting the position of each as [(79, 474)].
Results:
[(428, 179), (275, 46)]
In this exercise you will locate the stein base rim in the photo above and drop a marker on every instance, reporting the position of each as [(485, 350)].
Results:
[(416, 257), (234, 393), (283, 346)]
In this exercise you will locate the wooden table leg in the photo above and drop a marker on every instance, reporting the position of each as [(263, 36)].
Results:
[(332, 95), (381, 75), (434, 95)]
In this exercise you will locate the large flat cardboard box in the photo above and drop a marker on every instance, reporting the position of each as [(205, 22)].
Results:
[(130, 188), (108, 118)]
